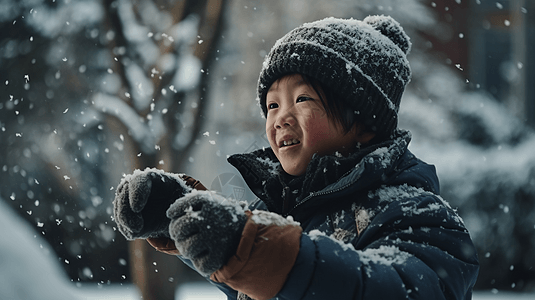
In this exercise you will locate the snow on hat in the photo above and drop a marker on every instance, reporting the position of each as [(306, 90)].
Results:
[(363, 61)]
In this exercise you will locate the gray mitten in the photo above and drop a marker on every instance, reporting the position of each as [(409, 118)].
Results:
[(141, 201), (206, 229)]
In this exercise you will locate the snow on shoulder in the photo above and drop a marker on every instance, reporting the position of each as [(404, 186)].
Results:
[(397, 193), (317, 235), (384, 255), (385, 156), (407, 195)]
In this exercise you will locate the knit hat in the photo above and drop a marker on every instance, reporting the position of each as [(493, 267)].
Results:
[(364, 62)]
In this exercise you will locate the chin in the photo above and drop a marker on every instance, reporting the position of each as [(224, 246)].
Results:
[(294, 171)]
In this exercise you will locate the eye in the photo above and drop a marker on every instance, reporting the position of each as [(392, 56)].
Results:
[(303, 99), (272, 105)]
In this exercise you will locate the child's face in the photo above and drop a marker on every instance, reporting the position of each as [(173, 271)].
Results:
[(298, 126)]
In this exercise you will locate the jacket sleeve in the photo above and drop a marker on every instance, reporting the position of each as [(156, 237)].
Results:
[(228, 291), (412, 249), (266, 253)]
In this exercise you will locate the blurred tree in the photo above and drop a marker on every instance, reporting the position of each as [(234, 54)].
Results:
[(92, 90), (161, 99), (52, 147)]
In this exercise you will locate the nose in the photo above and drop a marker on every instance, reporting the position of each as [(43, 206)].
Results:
[(285, 119)]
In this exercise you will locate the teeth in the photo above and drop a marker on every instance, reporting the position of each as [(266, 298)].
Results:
[(290, 142)]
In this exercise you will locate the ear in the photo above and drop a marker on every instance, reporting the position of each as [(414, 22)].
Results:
[(362, 135)]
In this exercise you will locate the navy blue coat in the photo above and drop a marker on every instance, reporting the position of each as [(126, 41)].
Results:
[(374, 226)]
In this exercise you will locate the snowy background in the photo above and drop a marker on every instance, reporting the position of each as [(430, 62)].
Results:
[(92, 89)]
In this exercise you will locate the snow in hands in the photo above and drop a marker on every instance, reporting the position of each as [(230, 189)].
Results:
[(235, 208), (141, 201)]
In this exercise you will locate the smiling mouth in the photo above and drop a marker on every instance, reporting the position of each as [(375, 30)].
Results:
[(290, 143)]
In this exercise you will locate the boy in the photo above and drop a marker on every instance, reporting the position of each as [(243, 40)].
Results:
[(345, 210)]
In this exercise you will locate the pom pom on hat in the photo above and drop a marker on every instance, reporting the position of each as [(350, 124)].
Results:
[(363, 61), (391, 29)]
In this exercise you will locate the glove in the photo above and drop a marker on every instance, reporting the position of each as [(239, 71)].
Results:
[(141, 201), (206, 229), (268, 248)]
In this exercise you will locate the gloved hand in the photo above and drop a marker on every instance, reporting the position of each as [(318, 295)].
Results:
[(206, 228), (141, 201)]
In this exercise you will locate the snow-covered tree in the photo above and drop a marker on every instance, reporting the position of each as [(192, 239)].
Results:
[(92, 90)]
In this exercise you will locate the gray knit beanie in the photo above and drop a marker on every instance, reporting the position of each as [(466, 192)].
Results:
[(364, 62)]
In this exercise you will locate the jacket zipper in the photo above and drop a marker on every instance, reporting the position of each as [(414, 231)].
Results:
[(317, 194), (285, 200)]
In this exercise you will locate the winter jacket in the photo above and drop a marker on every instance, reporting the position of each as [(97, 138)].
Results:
[(373, 226)]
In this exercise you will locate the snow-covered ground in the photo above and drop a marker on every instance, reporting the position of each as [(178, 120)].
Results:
[(28, 270), (502, 296), (205, 291), (189, 291)]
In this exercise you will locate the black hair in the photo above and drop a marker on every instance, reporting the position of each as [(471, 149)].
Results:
[(332, 103), (333, 106)]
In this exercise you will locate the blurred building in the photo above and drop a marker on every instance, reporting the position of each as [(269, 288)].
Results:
[(490, 42)]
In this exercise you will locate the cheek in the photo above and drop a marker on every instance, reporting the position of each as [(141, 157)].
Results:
[(311, 110), (318, 130), (270, 133), (316, 122)]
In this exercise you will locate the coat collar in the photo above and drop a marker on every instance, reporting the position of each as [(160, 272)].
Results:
[(324, 175)]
